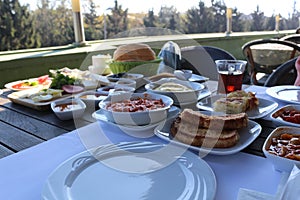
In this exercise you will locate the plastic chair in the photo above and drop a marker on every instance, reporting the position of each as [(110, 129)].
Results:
[(292, 38), (265, 61), (285, 74), (201, 59)]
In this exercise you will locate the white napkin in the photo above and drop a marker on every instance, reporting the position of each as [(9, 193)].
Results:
[(291, 189), (288, 189), (245, 194)]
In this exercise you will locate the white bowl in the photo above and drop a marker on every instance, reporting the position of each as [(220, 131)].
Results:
[(138, 117), (280, 163), (92, 98), (115, 88), (138, 78), (181, 97), (75, 110), (275, 116), (126, 82), (116, 77)]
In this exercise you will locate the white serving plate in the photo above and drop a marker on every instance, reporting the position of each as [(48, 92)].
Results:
[(131, 170), (278, 120), (286, 93), (99, 115), (198, 78), (10, 85), (264, 108), (247, 136)]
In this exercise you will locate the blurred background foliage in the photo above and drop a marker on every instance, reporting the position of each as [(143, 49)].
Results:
[(51, 24)]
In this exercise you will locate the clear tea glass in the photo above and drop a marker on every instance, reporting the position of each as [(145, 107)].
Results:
[(230, 75)]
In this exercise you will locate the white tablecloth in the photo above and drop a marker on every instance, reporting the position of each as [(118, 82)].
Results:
[(22, 175)]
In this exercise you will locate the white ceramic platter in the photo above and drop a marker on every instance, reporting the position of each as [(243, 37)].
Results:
[(264, 108), (247, 136), (127, 171), (286, 93)]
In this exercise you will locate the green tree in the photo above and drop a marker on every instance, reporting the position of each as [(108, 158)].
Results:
[(93, 24), (169, 17), (219, 13), (258, 18), (117, 21), (63, 32), (269, 23), (16, 26), (237, 22), (54, 26), (150, 20), (199, 20)]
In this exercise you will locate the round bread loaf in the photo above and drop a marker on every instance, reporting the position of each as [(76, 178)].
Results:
[(134, 52)]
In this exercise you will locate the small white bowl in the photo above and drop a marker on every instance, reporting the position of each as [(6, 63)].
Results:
[(184, 74), (126, 82), (178, 97), (92, 98), (280, 163), (116, 77), (139, 117), (68, 108), (275, 116), (115, 88)]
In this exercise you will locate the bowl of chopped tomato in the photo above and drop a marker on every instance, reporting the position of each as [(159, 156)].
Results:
[(282, 148), (288, 115), (136, 108)]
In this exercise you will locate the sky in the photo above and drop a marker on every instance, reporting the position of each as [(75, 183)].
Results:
[(269, 7)]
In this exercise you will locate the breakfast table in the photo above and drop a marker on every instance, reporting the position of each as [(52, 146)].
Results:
[(33, 144)]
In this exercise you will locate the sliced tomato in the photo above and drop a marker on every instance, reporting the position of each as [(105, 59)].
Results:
[(18, 86), (43, 79)]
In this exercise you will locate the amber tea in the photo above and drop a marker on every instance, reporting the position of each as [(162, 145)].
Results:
[(230, 75)]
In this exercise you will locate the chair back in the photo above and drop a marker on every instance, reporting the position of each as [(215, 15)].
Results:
[(285, 74), (292, 38), (201, 59), (265, 55)]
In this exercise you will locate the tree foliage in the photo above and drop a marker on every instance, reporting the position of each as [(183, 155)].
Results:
[(51, 24), (17, 28)]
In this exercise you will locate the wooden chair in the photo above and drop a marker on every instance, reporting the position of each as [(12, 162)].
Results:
[(285, 74), (265, 55), (201, 59)]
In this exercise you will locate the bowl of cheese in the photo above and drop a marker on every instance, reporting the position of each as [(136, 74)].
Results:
[(180, 91)]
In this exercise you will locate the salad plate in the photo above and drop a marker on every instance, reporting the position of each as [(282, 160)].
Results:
[(247, 136), (264, 107), (131, 170), (40, 82), (286, 93)]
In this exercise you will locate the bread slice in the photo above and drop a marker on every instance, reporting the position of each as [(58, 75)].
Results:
[(212, 138), (228, 121)]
